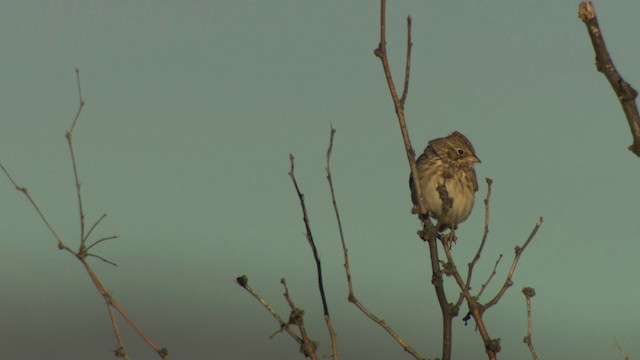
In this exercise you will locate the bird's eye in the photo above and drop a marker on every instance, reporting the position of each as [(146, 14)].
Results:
[(460, 152)]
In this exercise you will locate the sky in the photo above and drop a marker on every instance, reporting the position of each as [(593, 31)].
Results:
[(192, 109)]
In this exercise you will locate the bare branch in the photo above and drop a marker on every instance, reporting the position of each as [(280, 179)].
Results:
[(81, 102), (74, 162), (345, 251), (619, 347), (624, 91), (529, 292), (316, 257), (518, 252), (243, 281), (308, 346), (93, 227), (101, 240), (493, 273), (162, 352), (120, 351), (103, 259), (428, 233), (407, 68), (82, 253), (24, 190), (381, 53), (476, 258)]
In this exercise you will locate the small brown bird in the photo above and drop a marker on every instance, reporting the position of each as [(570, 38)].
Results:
[(447, 161)]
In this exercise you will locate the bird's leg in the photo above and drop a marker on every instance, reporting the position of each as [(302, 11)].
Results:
[(450, 237)]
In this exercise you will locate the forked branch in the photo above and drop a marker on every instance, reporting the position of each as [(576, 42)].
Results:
[(428, 232), (82, 253)]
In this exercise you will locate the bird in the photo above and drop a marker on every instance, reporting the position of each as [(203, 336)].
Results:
[(447, 161)]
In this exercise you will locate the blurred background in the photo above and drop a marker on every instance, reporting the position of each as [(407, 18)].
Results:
[(192, 109)]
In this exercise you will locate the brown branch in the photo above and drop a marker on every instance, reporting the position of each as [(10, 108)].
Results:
[(120, 351), (94, 226), (518, 252), (316, 257), (334, 346), (428, 232), (529, 292), (243, 281), (492, 346), (69, 136), (407, 68), (624, 91), (82, 253), (352, 297), (101, 240), (103, 259), (620, 349), (308, 347), (476, 258), (381, 53), (25, 192), (493, 273)]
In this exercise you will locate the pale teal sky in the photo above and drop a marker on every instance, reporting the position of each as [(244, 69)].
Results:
[(192, 110)]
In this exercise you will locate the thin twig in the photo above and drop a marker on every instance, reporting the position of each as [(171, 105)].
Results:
[(69, 136), (120, 351), (308, 346), (622, 353), (24, 191), (84, 239), (101, 240), (103, 259), (345, 251), (518, 252), (476, 258), (407, 68), (529, 292), (624, 91), (334, 344), (428, 232), (243, 281), (486, 230), (82, 253), (316, 257), (493, 273), (162, 352), (381, 53), (492, 346), (75, 119)]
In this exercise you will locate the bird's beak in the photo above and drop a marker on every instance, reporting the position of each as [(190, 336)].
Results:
[(474, 159)]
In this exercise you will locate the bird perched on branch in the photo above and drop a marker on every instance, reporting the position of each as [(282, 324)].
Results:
[(445, 171)]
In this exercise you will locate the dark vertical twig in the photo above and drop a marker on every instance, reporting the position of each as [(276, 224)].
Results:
[(529, 292), (316, 257), (624, 91), (352, 297)]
